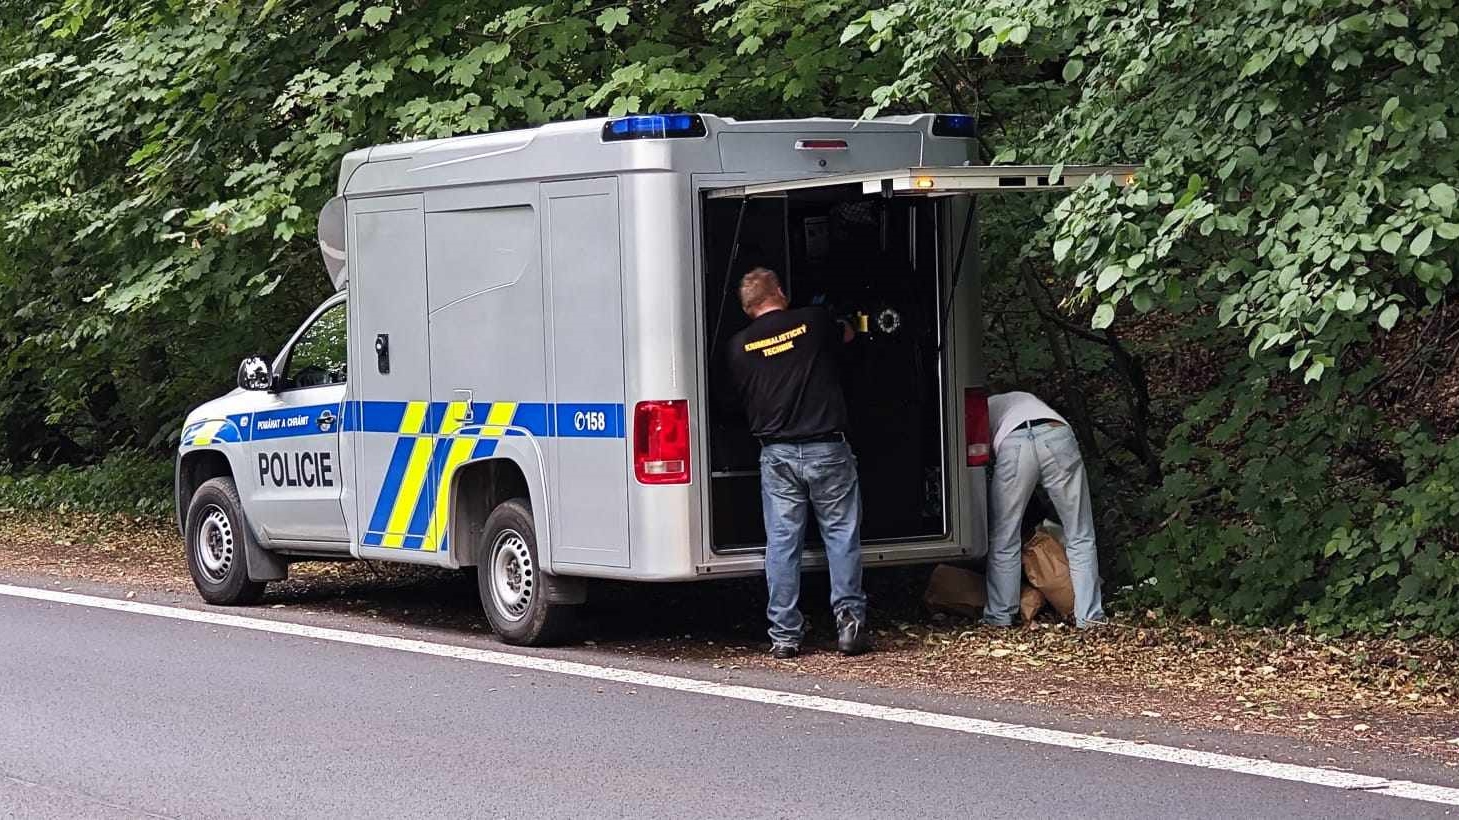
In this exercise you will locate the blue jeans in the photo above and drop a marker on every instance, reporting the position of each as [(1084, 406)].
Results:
[(1047, 455), (796, 479)]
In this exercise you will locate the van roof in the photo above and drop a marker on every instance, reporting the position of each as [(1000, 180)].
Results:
[(571, 149)]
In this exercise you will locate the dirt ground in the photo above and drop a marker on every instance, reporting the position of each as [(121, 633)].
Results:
[(1382, 694)]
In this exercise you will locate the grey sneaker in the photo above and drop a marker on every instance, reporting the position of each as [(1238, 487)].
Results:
[(784, 651), (852, 636)]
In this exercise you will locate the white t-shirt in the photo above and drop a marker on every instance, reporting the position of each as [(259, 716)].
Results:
[(1008, 410)]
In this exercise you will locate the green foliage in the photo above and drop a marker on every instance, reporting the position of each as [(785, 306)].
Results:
[(126, 481), (1297, 153), (1273, 515), (1256, 333), (163, 161), (1295, 214)]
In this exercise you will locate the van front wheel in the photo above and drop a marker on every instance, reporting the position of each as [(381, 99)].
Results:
[(515, 592), (215, 536)]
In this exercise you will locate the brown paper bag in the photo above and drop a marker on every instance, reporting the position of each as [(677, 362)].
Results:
[(956, 590), (1030, 602), (1047, 568)]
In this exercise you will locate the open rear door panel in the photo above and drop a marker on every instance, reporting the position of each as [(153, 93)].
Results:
[(883, 249), (943, 181)]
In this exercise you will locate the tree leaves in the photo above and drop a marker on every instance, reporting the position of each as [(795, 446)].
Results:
[(1108, 277), (1297, 199), (612, 18), (1420, 244), (232, 125), (377, 15), (1442, 195), (1282, 154)]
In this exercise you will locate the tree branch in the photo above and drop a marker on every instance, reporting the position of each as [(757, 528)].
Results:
[(1128, 365)]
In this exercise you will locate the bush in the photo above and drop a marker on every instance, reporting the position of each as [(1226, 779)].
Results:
[(1314, 509), (1271, 297), (126, 481)]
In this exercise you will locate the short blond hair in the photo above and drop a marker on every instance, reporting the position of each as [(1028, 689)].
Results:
[(757, 287)]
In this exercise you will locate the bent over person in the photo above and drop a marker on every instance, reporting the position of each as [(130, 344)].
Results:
[(1032, 445), (784, 366)]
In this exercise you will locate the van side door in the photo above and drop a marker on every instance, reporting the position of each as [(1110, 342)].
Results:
[(589, 466), (396, 461), (294, 436)]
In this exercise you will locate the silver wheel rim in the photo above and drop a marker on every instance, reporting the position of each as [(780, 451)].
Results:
[(214, 544), (513, 575)]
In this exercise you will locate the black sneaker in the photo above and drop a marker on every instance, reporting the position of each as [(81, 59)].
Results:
[(852, 636), (784, 651)]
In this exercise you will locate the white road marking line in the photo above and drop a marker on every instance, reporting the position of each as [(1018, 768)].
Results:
[(850, 708)]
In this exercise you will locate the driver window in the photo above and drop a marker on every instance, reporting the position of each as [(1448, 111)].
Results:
[(318, 358)]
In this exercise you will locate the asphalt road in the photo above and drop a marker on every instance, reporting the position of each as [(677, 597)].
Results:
[(118, 715)]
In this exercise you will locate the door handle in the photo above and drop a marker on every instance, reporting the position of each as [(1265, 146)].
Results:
[(326, 421), (382, 352), (468, 415)]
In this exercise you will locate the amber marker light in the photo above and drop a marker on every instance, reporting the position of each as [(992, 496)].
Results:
[(923, 182)]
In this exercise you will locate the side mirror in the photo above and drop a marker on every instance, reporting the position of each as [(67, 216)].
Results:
[(254, 374)]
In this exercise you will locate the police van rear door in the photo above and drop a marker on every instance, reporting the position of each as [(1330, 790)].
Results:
[(918, 504)]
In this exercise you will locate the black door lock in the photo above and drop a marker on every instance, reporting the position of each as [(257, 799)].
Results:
[(382, 352)]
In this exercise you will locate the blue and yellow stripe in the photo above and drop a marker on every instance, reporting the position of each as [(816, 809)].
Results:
[(411, 511), (433, 440), (212, 431)]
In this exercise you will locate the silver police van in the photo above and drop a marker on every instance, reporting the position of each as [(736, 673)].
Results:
[(522, 367)]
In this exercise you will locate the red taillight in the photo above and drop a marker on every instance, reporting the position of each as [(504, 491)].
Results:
[(975, 426), (661, 442), (821, 145)]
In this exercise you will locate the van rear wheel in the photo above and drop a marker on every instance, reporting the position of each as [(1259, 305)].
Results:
[(515, 592)]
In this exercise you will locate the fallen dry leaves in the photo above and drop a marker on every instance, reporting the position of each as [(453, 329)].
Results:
[(1388, 694), (1393, 695), (125, 550)]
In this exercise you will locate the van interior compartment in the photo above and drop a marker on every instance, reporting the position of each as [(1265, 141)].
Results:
[(875, 261)]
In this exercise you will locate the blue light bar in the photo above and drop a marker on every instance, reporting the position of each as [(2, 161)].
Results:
[(954, 125), (654, 127)]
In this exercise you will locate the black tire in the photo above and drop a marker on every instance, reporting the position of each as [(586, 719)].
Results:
[(515, 592), (214, 537)]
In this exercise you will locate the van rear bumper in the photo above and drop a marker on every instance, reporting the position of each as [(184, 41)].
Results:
[(872, 555)]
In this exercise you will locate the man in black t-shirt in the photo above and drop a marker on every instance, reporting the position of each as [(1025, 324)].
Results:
[(784, 366)]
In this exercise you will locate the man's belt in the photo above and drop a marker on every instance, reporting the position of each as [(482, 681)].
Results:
[(814, 438), (1032, 423)]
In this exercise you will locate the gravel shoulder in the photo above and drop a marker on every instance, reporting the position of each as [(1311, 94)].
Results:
[(1389, 696)]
